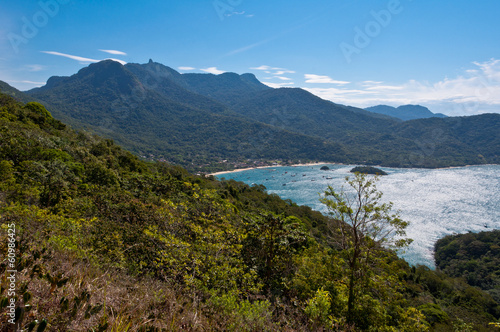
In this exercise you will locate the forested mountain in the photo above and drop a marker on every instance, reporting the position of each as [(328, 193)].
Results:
[(200, 120), (103, 241), (163, 119), (463, 140), (299, 110), (13, 92), (405, 112)]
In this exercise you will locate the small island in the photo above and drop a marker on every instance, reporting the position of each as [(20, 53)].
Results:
[(325, 168), (368, 170)]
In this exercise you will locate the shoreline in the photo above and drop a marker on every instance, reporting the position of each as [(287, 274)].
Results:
[(263, 167), (330, 163)]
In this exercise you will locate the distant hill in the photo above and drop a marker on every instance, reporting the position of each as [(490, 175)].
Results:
[(405, 112), (200, 120), (301, 111), (13, 92)]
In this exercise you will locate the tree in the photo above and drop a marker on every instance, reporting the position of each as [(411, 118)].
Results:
[(364, 224)]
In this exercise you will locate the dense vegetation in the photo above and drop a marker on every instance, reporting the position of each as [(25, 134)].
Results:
[(105, 241), (368, 170), (475, 257)]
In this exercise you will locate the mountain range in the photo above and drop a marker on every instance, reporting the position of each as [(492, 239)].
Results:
[(405, 112), (206, 121)]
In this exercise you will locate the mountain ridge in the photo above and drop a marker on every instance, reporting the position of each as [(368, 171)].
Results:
[(405, 112), (147, 122), (204, 119)]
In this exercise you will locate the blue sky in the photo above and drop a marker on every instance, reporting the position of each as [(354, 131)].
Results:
[(441, 54)]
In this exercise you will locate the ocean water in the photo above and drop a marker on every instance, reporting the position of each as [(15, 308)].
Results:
[(436, 202)]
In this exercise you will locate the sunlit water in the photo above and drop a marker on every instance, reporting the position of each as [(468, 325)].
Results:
[(436, 202)]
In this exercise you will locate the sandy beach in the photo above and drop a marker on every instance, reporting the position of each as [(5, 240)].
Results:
[(250, 168)]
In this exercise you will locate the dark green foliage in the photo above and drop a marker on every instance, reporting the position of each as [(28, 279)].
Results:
[(368, 170), (433, 313), (473, 256)]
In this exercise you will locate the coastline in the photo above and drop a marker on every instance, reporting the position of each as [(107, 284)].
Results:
[(331, 163), (263, 167)]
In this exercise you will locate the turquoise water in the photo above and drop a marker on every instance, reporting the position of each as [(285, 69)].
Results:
[(436, 202)]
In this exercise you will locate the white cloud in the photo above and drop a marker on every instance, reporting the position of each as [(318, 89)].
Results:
[(28, 82), (278, 85), (476, 91), (371, 83), (73, 57), (263, 67), (117, 60), (187, 68), (235, 13), (276, 72), (384, 87), (80, 59), (114, 52), (311, 78), (285, 71), (213, 70), (35, 67)]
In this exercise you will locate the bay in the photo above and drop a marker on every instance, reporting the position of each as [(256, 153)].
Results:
[(436, 202)]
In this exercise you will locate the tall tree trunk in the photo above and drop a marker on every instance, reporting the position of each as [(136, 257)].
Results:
[(350, 300)]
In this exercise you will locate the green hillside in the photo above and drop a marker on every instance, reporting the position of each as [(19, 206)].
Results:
[(103, 241), (474, 257)]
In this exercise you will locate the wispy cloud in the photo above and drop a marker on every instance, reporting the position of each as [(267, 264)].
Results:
[(269, 69), (186, 68), (235, 13), (117, 60), (80, 59), (28, 82), (282, 71), (278, 85), (371, 83), (249, 47), (311, 78), (477, 90), (114, 52), (263, 67), (384, 88), (72, 57), (213, 70), (283, 78), (34, 68)]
